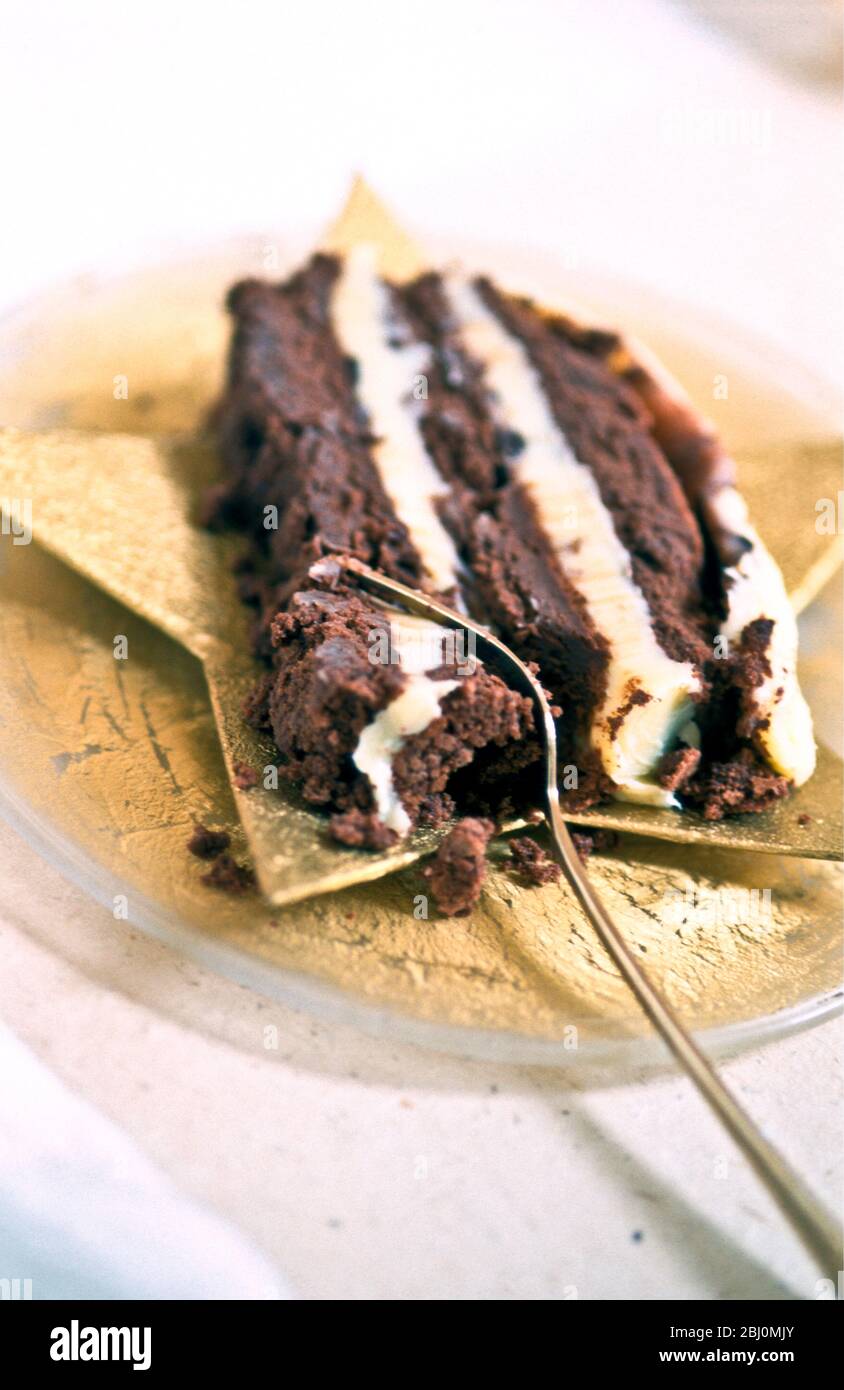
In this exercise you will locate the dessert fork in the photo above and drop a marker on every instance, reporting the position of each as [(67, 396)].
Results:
[(817, 1228)]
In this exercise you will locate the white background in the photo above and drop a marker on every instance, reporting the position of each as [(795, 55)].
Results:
[(618, 131), (624, 136)]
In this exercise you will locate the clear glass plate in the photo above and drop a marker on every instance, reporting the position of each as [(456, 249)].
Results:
[(521, 980)]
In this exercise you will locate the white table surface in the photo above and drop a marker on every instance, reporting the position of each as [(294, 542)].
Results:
[(630, 138)]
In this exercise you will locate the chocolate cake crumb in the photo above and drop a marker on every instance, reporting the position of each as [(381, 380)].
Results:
[(804, 819), (676, 768), (745, 784), (361, 830), (227, 874), (533, 862), (587, 840), (457, 870), (207, 844), (245, 776)]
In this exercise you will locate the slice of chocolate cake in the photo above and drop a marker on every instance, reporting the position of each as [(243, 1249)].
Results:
[(547, 478)]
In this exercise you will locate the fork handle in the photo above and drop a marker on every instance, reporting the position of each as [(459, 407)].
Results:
[(815, 1226), (813, 1223)]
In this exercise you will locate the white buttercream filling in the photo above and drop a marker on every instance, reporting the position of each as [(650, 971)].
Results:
[(572, 514), (417, 645), (756, 590), (387, 377)]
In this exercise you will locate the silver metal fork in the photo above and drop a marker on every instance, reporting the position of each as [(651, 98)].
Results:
[(816, 1227)]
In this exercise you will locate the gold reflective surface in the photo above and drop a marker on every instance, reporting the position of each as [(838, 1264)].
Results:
[(117, 757)]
